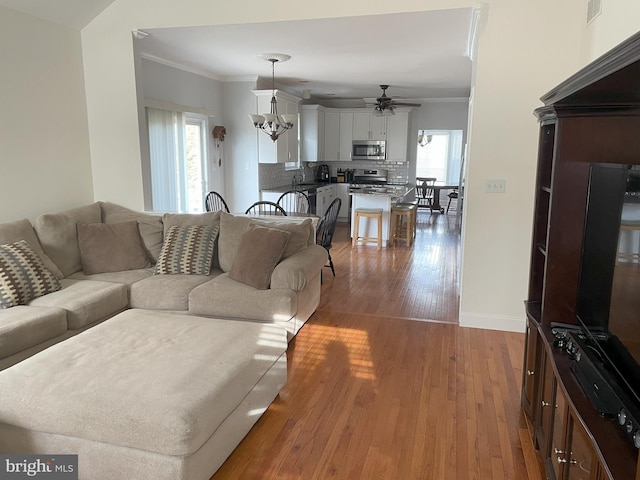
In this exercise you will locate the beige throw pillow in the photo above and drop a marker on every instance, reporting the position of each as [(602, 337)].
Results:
[(113, 247), (260, 250)]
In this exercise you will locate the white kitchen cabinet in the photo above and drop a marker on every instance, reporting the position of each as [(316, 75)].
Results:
[(346, 135), (397, 134), (331, 135), (342, 192), (324, 197), (285, 149), (312, 133), (367, 126)]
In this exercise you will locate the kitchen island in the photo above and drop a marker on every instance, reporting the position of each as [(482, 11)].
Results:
[(383, 198)]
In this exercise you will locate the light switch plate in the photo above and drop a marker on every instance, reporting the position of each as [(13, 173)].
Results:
[(495, 186)]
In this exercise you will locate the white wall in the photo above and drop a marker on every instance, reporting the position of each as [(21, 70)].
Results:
[(44, 144), (619, 20), (516, 64)]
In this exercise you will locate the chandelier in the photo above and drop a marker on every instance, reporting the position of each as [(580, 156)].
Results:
[(424, 139), (272, 123)]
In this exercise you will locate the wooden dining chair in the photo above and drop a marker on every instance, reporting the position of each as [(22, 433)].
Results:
[(425, 192), (294, 201), (265, 208), (326, 227), (214, 202)]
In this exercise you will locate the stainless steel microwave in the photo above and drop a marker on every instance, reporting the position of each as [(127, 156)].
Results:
[(369, 150)]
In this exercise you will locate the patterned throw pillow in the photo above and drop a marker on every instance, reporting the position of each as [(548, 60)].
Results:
[(23, 276), (187, 249)]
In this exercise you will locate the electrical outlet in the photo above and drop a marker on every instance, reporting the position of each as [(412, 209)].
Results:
[(495, 186)]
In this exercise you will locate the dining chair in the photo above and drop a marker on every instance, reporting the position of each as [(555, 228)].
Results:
[(326, 227), (425, 192), (214, 202), (452, 195), (294, 201), (264, 207)]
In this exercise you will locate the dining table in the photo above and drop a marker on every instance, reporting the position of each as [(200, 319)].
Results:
[(437, 187)]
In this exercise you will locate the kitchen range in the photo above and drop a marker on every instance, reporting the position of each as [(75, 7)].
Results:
[(374, 181)]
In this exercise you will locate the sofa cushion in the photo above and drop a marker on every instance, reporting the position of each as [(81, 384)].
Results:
[(187, 250), (23, 276), (126, 277), (259, 252), (232, 228), (86, 301), (24, 327), (149, 225), (111, 247), (224, 297), (59, 237), (11, 232), (165, 292), (182, 219)]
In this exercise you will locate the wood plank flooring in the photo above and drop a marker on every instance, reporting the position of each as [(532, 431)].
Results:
[(374, 394)]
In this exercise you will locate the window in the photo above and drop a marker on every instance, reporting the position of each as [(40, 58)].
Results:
[(441, 157), (177, 148)]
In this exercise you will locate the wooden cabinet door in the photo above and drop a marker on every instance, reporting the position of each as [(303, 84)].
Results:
[(543, 417), (361, 125), (558, 449), (531, 373), (581, 464)]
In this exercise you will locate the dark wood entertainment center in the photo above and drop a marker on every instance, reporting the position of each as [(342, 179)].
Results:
[(592, 117)]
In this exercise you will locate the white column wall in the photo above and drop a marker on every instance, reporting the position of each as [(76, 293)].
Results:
[(44, 144)]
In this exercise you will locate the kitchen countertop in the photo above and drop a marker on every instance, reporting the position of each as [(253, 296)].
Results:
[(301, 186)]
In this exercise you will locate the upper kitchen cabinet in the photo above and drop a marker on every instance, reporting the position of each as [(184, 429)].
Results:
[(346, 135), (286, 148), (332, 135), (312, 133), (367, 126), (397, 133)]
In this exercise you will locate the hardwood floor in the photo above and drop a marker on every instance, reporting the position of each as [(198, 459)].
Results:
[(374, 394)]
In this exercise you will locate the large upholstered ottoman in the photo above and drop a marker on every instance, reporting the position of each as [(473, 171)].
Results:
[(144, 395)]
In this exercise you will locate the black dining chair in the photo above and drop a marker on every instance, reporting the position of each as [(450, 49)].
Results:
[(294, 201), (425, 192), (326, 227), (214, 202), (265, 208)]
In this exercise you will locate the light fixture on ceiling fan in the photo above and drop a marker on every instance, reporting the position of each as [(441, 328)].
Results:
[(272, 123), (385, 105)]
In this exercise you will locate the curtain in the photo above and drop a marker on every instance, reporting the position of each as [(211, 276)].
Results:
[(166, 147)]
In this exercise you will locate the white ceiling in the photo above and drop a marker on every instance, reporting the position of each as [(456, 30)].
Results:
[(420, 55)]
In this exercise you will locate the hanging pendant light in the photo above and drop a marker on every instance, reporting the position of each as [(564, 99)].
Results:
[(274, 124)]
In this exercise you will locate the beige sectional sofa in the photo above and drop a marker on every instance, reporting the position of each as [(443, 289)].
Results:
[(85, 300), (161, 373)]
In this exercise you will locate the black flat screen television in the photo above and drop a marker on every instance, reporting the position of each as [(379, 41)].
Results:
[(609, 289)]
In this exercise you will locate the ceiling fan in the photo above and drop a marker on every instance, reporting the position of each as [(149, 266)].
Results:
[(386, 103)]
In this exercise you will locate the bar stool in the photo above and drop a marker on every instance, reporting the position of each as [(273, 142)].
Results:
[(414, 214), (402, 223), (367, 213)]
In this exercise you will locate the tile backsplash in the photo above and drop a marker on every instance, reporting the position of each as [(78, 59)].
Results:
[(275, 175)]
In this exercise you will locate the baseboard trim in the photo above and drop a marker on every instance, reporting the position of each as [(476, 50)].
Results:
[(493, 322)]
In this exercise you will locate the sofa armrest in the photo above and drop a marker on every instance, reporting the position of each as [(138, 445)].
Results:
[(294, 272)]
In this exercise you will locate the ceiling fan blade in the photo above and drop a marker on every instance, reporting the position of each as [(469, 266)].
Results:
[(405, 104)]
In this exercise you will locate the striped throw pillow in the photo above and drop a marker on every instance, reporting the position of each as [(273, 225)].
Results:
[(187, 249), (23, 276)]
